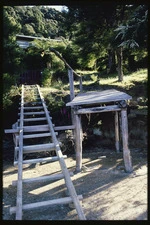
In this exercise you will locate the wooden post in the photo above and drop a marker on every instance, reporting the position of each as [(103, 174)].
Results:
[(78, 141), (72, 95), (71, 79), (120, 130), (80, 84), (20, 159), (126, 151), (117, 132)]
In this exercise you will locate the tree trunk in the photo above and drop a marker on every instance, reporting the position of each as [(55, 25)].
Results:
[(131, 62), (120, 60), (111, 61)]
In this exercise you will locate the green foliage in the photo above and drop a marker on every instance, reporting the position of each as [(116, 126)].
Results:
[(28, 29), (134, 32), (54, 102), (47, 78), (94, 77), (11, 52), (95, 36), (55, 66), (8, 81), (39, 20), (9, 94), (87, 34)]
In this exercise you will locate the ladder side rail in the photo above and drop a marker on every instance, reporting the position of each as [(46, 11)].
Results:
[(65, 171), (20, 159)]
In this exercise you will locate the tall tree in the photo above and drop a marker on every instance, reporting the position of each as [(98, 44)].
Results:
[(94, 34), (132, 34), (11, 51)]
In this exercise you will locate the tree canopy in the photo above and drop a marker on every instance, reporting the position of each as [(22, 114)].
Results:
[(94, 36)]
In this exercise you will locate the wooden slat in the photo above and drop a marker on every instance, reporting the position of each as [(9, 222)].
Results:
[(64, 169), (11, 131), (98, 109), (33, 113), (71, 127), (27, 136), (65, 200), (95, 97), (37, 148), (46, 128), (38, 98), (35, 119), (34, 103), (42, 178), (45, 159), (37, 128), (33, 107)]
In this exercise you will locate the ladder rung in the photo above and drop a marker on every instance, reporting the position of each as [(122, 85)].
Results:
[(39, 160), (30, 88), (65, 200), (27, 136), (34, 119), (39, 128), (33, 107), (43, 178), (25, 103), (36, 128), (70, 127), (33, 113), (37, 148)]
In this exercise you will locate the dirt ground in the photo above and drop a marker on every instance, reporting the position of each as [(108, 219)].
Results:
[(108, 192)]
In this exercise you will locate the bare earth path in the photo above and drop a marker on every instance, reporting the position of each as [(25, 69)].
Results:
[(108, 192)]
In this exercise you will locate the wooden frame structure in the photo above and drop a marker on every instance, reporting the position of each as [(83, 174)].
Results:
[(19, 136), (88, 103)]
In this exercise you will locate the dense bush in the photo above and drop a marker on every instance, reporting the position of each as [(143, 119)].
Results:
[(47, 77)]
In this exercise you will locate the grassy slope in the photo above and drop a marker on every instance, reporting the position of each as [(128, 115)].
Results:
[(134, 84)]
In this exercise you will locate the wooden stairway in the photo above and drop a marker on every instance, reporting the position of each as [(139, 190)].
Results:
[(31, 111)]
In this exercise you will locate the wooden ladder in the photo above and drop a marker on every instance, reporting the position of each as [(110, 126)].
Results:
[(30, 111)]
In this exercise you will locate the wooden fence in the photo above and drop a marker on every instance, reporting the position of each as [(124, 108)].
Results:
[(31, 77)]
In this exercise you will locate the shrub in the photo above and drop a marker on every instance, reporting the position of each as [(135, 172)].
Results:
[(8, 81), (47, 77), (9, 96)]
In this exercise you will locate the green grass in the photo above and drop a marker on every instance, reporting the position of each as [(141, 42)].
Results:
[(134, 84), (92, 81), (129, 81)]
